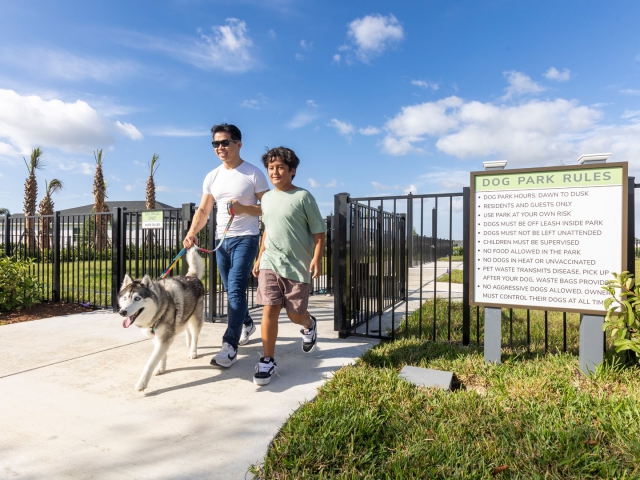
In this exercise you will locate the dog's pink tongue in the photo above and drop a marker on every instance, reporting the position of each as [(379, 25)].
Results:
[(127, 322)]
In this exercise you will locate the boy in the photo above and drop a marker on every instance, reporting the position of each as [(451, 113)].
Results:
[(290, 254)]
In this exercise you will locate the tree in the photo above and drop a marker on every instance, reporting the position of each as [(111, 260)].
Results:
[(4, 211), (45, 209), (151, 186), (99, 205), (31, 194)]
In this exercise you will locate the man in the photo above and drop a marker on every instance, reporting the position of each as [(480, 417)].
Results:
[(241, 185)]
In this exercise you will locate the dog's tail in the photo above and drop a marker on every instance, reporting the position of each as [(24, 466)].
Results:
[(196, 265)]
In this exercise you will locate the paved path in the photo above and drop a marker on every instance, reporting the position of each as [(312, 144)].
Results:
[(69, 409)]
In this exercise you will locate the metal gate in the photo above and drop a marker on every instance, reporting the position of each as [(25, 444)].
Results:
[(390, 254)]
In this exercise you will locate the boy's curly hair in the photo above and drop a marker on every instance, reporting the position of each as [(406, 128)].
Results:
[(288, 156)]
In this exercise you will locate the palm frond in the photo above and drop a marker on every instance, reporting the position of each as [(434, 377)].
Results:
[(153, 168), (35, 162), (99, 156), (4, 211), (53, 186)]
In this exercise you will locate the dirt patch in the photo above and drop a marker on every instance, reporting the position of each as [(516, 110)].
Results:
[(42, 310)]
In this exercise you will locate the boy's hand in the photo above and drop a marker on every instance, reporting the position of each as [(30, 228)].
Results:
[(256, 268), (316, 267)]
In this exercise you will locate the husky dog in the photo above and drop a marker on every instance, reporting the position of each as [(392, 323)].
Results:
[(162, 309)]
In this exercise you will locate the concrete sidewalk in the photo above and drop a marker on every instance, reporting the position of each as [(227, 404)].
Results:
[(69, 409)]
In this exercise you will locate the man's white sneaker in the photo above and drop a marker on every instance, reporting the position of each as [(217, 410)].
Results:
[(247, 331), (309, 336), (264, 371), (226, 357)]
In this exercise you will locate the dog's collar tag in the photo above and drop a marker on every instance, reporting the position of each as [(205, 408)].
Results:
[(153, 328)]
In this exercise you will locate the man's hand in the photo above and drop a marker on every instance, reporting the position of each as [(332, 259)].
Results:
[(189, 241), (316, 267), (236, 206)]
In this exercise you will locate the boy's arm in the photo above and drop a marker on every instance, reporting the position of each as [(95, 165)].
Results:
[(316, 262), (256, 265)]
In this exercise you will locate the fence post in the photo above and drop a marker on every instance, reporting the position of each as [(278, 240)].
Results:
[(188, 210), (213, 267), (403, 255), (340, 250), (7, 235), (631, 227), (329, 247), (116, 254), (55, 273), (380, 261), (409, 227), (434, 234), (466, 265)]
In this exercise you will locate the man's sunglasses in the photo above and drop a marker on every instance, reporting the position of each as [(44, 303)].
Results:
[(222, 143)]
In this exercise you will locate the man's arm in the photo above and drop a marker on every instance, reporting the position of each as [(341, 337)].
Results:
[(255, 210), (316, 262), (199, 220), (256, 266)]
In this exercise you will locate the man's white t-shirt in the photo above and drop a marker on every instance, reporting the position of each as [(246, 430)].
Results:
[(241, 183)]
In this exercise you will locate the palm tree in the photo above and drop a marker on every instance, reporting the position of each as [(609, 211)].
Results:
[(151, 186), (4, 211), (31, 194), (45, 209), (99, 205)]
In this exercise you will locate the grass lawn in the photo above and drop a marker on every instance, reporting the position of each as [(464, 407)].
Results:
[(531, 417)]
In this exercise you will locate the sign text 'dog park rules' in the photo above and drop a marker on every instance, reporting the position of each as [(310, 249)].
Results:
[(547, 238)]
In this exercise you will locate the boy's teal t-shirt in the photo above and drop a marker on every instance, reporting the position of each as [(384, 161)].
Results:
[(290, 219)]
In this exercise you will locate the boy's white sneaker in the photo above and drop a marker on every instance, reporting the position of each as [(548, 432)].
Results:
[(226, 357), (309, 336), (247, 331), (265, 369)]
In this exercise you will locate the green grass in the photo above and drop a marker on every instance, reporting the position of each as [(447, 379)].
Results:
[(514, 326), (455, 274), (454, 258), (537, 415)]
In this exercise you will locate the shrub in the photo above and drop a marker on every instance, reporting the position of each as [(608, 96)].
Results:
[(623, 312), (18, 289), (457, 251)]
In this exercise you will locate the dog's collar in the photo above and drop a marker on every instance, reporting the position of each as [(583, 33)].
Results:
[(155, 325)]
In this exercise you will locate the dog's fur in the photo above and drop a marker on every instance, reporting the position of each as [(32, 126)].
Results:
[(162, 309)]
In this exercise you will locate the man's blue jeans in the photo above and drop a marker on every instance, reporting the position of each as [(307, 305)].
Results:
[(235, 260)]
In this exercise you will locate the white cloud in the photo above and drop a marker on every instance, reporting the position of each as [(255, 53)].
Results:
[(520, 84), (344, 128), (251, 104), (302, 119), (56, 63), (410, 189), (630, 114), (373, 34), (311, 103), (547, 131), (554, 74), (178, 132), (630, 91), (28, 121), (306, 45), (333, 183), (336, 58), (313, 183), (228, 48), (299, 57), (369, 130), (423, 84)]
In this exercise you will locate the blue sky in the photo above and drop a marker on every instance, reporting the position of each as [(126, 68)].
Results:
[(376, 98)]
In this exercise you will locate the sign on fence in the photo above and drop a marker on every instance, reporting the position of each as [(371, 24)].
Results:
[(547, 238), (152, 219)]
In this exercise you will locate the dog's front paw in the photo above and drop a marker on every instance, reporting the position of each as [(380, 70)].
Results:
[(140, 386), (193, 355)]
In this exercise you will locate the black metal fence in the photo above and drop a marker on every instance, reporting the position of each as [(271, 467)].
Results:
[(84, 258)]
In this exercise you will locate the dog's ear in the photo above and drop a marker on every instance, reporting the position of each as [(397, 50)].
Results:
[(127, 281), (146, 280)]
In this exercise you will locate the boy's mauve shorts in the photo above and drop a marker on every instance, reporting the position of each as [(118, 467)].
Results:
[(276, 290)]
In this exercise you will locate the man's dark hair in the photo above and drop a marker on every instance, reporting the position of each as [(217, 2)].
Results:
[(230, 129), (288, 156)]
